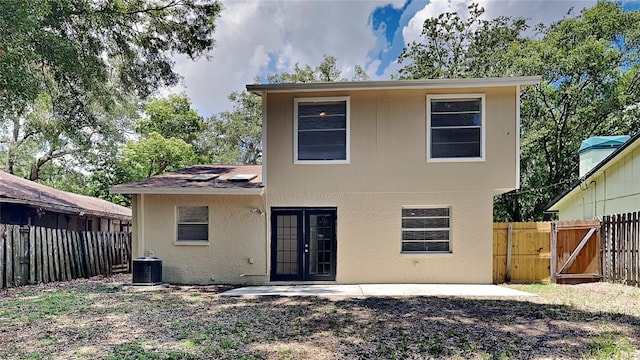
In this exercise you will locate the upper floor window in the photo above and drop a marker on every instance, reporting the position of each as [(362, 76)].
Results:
[(321, 130), (193, 223), (455, 127)]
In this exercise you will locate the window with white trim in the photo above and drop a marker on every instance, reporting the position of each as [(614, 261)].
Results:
[(321, 130), (455, 127), (193, 223), (426, 230)]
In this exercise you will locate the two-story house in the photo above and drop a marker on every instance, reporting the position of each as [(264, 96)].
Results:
[(361, 182)]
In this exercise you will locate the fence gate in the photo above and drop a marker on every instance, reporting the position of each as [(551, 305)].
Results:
[(575, 247)]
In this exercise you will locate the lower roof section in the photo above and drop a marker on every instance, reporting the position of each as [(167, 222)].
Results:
[(200, 179)]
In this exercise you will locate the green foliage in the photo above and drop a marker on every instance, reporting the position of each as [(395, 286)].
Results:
[(325, 72), (66, 67), (140, 159), (154, 155), (171, 117), (235, 137), (452, 47), (591, 86)]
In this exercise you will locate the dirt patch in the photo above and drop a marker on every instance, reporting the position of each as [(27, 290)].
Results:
[(107, 319)]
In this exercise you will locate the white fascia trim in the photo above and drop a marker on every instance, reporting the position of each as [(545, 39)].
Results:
[(259, 89), (264, 138), (189, 191), (483, 127), (296, 101)]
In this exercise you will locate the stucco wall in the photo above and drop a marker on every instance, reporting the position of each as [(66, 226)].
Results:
[(236, 235), (369, 236), (388, 146), (615, 189)]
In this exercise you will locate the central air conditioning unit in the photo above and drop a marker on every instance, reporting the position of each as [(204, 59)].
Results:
[(147, 271)]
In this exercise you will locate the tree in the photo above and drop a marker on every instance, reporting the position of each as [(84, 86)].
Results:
[(325, 72), (170, 117), (140, 159), (589, 65), (236, 136), (86, 59), (451, 47)]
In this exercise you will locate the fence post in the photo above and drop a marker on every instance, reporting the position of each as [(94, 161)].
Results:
[(554, 250), (509, 250), (3, 240), (25, 261)]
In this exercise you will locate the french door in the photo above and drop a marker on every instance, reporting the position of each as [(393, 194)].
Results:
[(303, 244)]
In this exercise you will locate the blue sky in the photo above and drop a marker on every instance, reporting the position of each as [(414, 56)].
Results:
[(256, 38)]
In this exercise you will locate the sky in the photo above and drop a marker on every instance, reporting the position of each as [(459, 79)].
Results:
[(255, 38)]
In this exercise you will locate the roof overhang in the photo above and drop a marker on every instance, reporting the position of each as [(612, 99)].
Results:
[(62, 209), (188, 191), (258, 89)]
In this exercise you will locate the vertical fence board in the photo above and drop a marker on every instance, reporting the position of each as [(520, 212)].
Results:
[(67, 254), (32, 255), (101, 254), (17, 256), (38, 254), (73, 259), (3, 237), (9, 257), (49, 239), (621, 245), (88, 266)]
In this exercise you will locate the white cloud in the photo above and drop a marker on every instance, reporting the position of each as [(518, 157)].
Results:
[(253, 35), (248, 32), (535, 11)]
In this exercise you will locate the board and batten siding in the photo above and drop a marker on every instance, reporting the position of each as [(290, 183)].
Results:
[(615, 189)]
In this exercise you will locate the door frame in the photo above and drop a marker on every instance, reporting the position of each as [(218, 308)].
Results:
[(303, 235)]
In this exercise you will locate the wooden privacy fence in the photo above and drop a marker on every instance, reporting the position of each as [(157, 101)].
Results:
[(521, 252), (30, 254), (620, 247)]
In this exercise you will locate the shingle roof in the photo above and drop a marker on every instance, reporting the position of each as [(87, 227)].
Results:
[(15, 189), (184, 181)]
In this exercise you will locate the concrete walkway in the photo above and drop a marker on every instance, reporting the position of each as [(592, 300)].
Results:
[(364, 290)]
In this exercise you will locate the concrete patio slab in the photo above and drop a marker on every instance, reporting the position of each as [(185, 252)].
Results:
[(365, 290)]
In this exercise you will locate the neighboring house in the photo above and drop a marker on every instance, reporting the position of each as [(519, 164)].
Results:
[(24, 202), (609, 180), (361, 182)]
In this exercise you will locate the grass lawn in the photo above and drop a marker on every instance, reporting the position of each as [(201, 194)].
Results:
[(102, 319)]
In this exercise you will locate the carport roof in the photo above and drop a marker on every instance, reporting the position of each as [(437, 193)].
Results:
[(200, 179)]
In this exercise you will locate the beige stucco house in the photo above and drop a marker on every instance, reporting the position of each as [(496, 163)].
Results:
[(609, 181), (361, 182)]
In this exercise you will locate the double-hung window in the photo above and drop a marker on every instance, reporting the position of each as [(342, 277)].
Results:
[(193, 223), (321, 130), (455, 127), (426, 230)]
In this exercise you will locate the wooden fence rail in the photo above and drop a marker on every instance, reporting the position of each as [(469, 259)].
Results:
[(620, 248), (30, 254), (521, 252)]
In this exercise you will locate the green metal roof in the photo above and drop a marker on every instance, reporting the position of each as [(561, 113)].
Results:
[(602, 142)]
